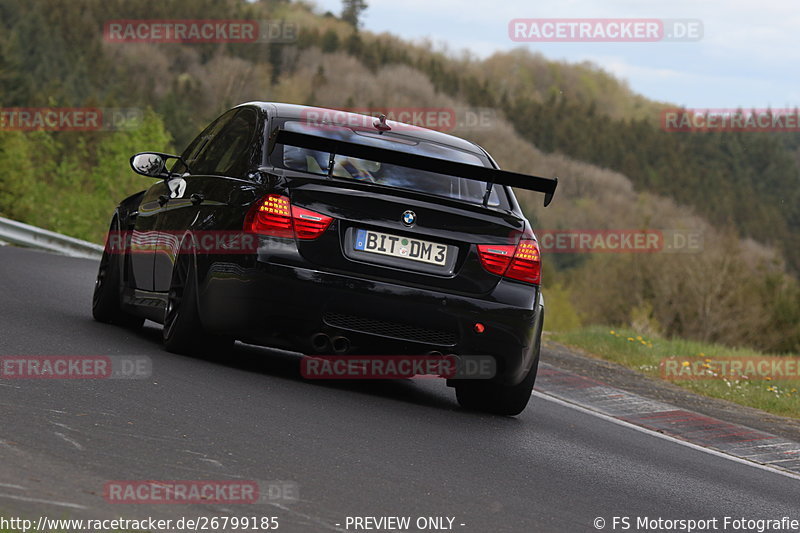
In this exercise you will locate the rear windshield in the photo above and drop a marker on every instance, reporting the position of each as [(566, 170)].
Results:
[(346, 167)]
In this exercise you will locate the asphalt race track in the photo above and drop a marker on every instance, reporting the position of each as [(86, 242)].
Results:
[(353, 448)]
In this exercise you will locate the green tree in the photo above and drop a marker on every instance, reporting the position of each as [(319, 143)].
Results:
[(330, 41), (352, 10), (71, 184)]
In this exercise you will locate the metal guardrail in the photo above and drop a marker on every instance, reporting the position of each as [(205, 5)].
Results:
[(25, 235)]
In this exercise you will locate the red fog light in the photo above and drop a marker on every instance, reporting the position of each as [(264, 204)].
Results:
[(479, 328)]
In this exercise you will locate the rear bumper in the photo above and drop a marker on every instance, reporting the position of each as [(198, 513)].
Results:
[(277, 305)]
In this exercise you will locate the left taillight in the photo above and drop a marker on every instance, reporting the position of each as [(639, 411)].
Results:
[(521, 262), (275, 215)]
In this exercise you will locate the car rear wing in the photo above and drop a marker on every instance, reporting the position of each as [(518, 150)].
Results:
[(417, 162)]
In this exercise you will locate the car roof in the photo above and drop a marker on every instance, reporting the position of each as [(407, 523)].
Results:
[(296, 111)]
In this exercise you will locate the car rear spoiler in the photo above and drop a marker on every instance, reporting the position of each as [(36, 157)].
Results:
[(417, 162)]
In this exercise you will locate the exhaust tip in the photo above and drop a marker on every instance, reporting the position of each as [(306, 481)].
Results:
[(320, 342), (340, 344)]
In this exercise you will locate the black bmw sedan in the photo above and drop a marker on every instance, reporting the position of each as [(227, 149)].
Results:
[(347, 237)]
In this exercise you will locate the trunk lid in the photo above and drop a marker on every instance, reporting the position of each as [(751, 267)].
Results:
[(376, 231)]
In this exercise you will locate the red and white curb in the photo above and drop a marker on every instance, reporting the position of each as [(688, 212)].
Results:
[(733, 440)]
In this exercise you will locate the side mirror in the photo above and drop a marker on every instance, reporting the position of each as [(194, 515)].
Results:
[(153, 164)]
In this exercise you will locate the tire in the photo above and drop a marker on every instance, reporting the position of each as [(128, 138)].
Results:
[(498, 399), (183, 331), (107, 296)]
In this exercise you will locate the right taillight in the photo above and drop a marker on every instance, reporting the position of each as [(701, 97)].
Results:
[(275, 215), (526, 265), (521, 262)]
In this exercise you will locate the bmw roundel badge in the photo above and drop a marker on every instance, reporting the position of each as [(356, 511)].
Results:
[(409, 217)]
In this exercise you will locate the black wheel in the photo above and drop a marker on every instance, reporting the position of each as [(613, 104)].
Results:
[(183, 332), (498, 399), (106, 300)]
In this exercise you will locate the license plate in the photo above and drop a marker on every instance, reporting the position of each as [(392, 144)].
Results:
[(403, 247)]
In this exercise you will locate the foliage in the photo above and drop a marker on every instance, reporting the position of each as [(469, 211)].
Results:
[(71, 183), (352, 10)]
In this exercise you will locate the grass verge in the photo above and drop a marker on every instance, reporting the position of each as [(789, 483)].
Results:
[(645, 354)]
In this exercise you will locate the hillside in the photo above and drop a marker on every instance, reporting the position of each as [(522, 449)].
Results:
[(617, 168)]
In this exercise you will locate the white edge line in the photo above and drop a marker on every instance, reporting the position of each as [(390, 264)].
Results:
[(69, 440), (692, 445), (37, 500), (314, 519)]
